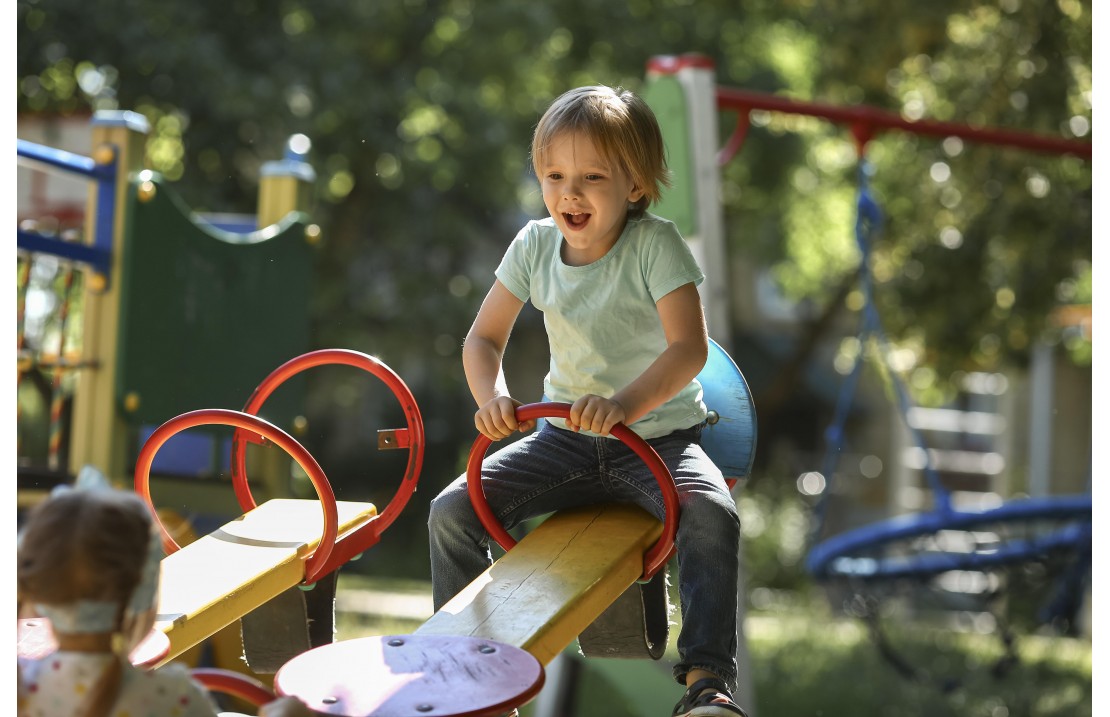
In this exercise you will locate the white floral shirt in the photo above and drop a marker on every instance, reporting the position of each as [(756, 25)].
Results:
[(56, 685)]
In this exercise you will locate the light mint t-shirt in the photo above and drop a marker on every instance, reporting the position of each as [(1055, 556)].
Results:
[(602, 324)]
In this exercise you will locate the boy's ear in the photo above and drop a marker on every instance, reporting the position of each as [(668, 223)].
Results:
[(635, 195)]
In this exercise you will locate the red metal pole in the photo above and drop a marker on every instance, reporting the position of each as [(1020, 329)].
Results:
[(866, 121)]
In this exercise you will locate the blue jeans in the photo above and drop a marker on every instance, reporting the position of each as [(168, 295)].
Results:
[(553, 468)]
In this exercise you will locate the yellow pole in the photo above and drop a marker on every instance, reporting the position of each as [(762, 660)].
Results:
[(98, 432), (285, 185)]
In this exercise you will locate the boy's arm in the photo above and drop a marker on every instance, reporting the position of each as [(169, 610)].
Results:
[(483, 350), (683, 322)]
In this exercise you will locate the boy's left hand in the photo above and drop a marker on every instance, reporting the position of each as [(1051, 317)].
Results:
[(596, 414)]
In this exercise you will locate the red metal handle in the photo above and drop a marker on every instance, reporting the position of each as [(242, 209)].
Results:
[(659, 553), (258, 426), (345, 357), (233, 683)]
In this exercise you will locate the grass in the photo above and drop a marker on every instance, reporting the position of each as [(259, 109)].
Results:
[(808, 662)]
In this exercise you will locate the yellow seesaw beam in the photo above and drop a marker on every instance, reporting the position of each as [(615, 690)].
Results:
[(555, 582), (214, 581)]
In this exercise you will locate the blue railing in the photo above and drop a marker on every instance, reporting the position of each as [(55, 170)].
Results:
[(98, 255)]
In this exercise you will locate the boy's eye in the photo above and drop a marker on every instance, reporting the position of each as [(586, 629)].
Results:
[(594, 177), (554, 175)]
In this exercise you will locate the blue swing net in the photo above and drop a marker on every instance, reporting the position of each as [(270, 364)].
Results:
[(1052, 533)]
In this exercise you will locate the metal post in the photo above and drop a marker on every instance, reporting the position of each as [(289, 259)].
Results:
[(691, 138), (99, 436)]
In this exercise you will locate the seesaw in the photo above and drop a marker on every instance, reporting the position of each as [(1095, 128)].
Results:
[(483, 653), (281, 543)]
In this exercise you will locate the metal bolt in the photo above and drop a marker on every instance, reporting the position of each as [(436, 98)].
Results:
[(147, 190), (487, 650), (330, 700), (712, 418), (396, 642), (425, 708), (104, 154)]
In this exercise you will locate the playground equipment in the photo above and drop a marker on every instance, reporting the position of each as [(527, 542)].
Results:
[(233, 684), (943, 542), (282, 543), (575, 570), (164, 292), (164, 296), (923, 548)]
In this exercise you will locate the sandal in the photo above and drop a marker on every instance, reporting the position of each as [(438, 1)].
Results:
[(711, 704)]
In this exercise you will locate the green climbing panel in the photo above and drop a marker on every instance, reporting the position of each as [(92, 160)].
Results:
[(208, 314)]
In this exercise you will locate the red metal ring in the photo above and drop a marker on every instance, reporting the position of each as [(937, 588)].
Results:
[(233, 683), (258, 426), (325, 357), (659, 553)]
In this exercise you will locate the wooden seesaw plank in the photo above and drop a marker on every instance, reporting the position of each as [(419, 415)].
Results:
[(555, 582), (217, 579)]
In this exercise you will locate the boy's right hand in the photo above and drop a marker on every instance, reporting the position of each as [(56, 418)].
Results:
[(496, 419)]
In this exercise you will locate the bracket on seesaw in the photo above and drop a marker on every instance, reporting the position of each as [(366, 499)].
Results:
[(274, 547)]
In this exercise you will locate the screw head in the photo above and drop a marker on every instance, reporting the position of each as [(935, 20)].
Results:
[(104, 154), (147, 190), (396, 642)]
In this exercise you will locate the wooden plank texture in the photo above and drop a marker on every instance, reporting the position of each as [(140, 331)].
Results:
[(556, 581), (216, 580)]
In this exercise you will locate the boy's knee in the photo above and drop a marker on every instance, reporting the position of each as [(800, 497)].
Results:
[(446, 505), (712, 513)]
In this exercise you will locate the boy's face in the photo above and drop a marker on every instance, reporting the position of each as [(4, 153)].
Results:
[(587, 196)]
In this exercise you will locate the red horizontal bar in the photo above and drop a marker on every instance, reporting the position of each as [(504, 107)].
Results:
[(868, 120)]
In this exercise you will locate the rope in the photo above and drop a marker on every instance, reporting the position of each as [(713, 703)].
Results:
[(869, 220)]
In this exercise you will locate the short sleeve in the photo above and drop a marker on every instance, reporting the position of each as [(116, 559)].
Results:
[(515, 269), (668, 262)]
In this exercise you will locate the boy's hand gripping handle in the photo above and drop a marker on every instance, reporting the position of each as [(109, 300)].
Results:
[(654, 559)]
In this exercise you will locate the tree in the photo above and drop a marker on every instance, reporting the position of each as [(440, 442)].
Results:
[(420, 113)]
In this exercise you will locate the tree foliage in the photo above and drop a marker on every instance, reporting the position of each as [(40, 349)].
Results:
[(420, 113)]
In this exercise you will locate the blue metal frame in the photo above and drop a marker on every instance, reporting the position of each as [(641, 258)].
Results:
[(97, 255), (834, 556)]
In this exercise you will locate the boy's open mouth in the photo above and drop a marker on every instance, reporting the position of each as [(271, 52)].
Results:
[(576, 220)]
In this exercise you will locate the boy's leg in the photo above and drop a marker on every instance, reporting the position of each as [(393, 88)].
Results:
[(708, 544), (545, 471)]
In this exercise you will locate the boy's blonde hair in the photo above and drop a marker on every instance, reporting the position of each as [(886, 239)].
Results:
[(623, 129)]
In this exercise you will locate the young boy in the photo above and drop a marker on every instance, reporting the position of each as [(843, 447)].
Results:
[(618, 290)]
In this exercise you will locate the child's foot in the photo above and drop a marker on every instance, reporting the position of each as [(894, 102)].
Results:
[(707, 698)]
